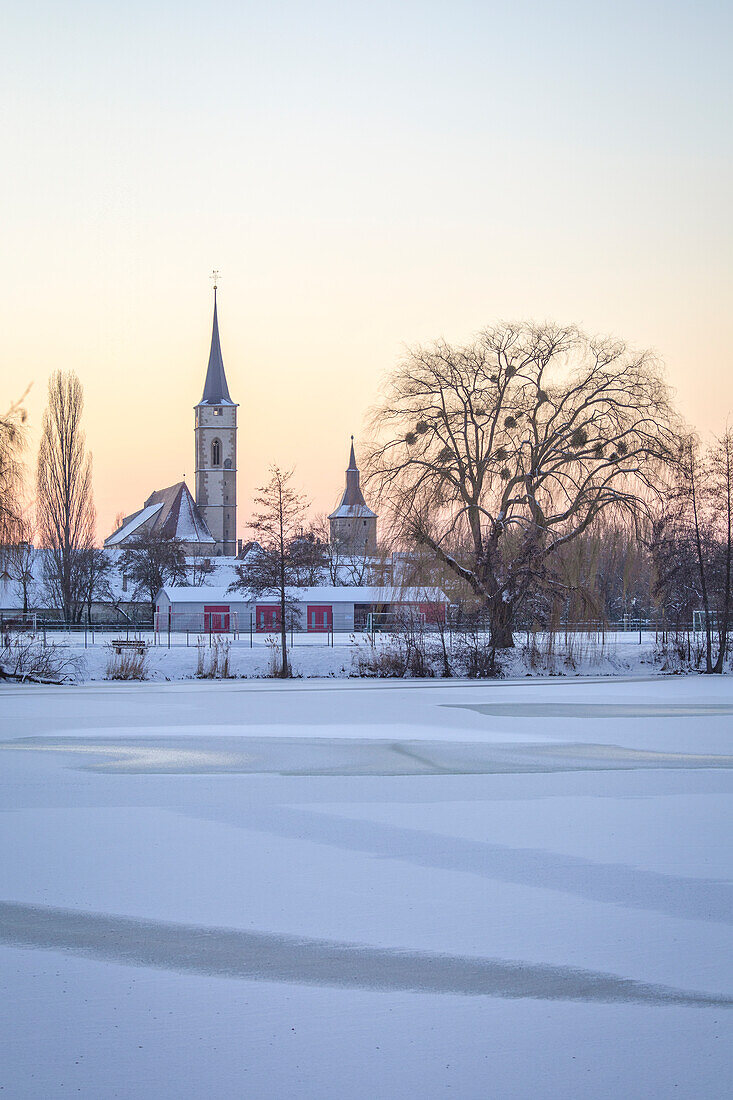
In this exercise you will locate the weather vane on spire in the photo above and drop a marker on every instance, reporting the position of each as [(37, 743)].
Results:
[(215, 278)]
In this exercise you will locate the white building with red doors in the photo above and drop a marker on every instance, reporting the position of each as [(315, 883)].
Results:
[(318, 610)]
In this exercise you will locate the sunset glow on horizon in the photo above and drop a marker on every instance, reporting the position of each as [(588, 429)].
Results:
[(365, 178)]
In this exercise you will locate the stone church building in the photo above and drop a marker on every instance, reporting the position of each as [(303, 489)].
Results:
[(208, 524)]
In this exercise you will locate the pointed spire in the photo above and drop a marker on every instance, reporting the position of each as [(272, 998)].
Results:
[(216, 391), (352, 502)]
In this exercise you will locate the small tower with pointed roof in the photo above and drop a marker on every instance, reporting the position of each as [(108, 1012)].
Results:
[(353, 523), (215, 433)]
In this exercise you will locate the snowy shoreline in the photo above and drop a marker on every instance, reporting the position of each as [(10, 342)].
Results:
[(618, 657)]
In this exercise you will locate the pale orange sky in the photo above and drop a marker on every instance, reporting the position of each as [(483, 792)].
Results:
[(364, 179)]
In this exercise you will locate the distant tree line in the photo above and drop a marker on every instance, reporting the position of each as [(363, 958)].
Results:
[(537, 475)]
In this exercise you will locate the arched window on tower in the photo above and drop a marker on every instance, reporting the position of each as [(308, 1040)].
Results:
[(216, 453)]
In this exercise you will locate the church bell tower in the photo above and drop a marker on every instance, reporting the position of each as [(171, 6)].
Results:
[(354, 524), (215, 430)]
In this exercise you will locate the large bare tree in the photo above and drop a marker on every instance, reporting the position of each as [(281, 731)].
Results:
[(64, 504), (497, 454)]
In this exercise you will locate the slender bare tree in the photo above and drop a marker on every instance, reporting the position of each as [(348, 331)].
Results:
[(496, 455), (693, 548), (721, 475), (22, 558), (346, 562), (64, 504), (96, 567), (200, 564), (275, 567)]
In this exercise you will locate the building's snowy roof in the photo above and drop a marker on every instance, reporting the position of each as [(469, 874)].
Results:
[(133, 524), (350, 511), (324, 594), (180, 518), (171, 512), (192, 594), (216, 391)]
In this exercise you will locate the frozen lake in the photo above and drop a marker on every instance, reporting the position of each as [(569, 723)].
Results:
[(333, 889)]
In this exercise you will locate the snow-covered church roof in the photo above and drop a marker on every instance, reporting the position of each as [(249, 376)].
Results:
[(133, 524), (170, 512)]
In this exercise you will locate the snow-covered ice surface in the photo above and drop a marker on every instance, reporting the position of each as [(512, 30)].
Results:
[(332, 889)]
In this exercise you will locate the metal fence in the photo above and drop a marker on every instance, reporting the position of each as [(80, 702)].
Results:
[(82, 634), (195, 628), (192, 629)]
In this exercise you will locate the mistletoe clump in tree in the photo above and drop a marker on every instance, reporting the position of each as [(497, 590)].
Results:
[(495, 455)]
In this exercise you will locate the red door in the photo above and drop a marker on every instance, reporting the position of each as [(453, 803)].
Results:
[(432, 612), (319, 619), (216, 618), (267, 618)]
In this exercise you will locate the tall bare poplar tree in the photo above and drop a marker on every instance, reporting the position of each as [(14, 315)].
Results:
[(65, 508)]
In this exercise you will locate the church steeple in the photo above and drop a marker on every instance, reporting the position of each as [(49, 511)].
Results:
[(215, 430), (216, 391), (353, 496), (354, 522)]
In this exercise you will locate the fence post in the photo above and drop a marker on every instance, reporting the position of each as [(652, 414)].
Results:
[(250, 630)]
